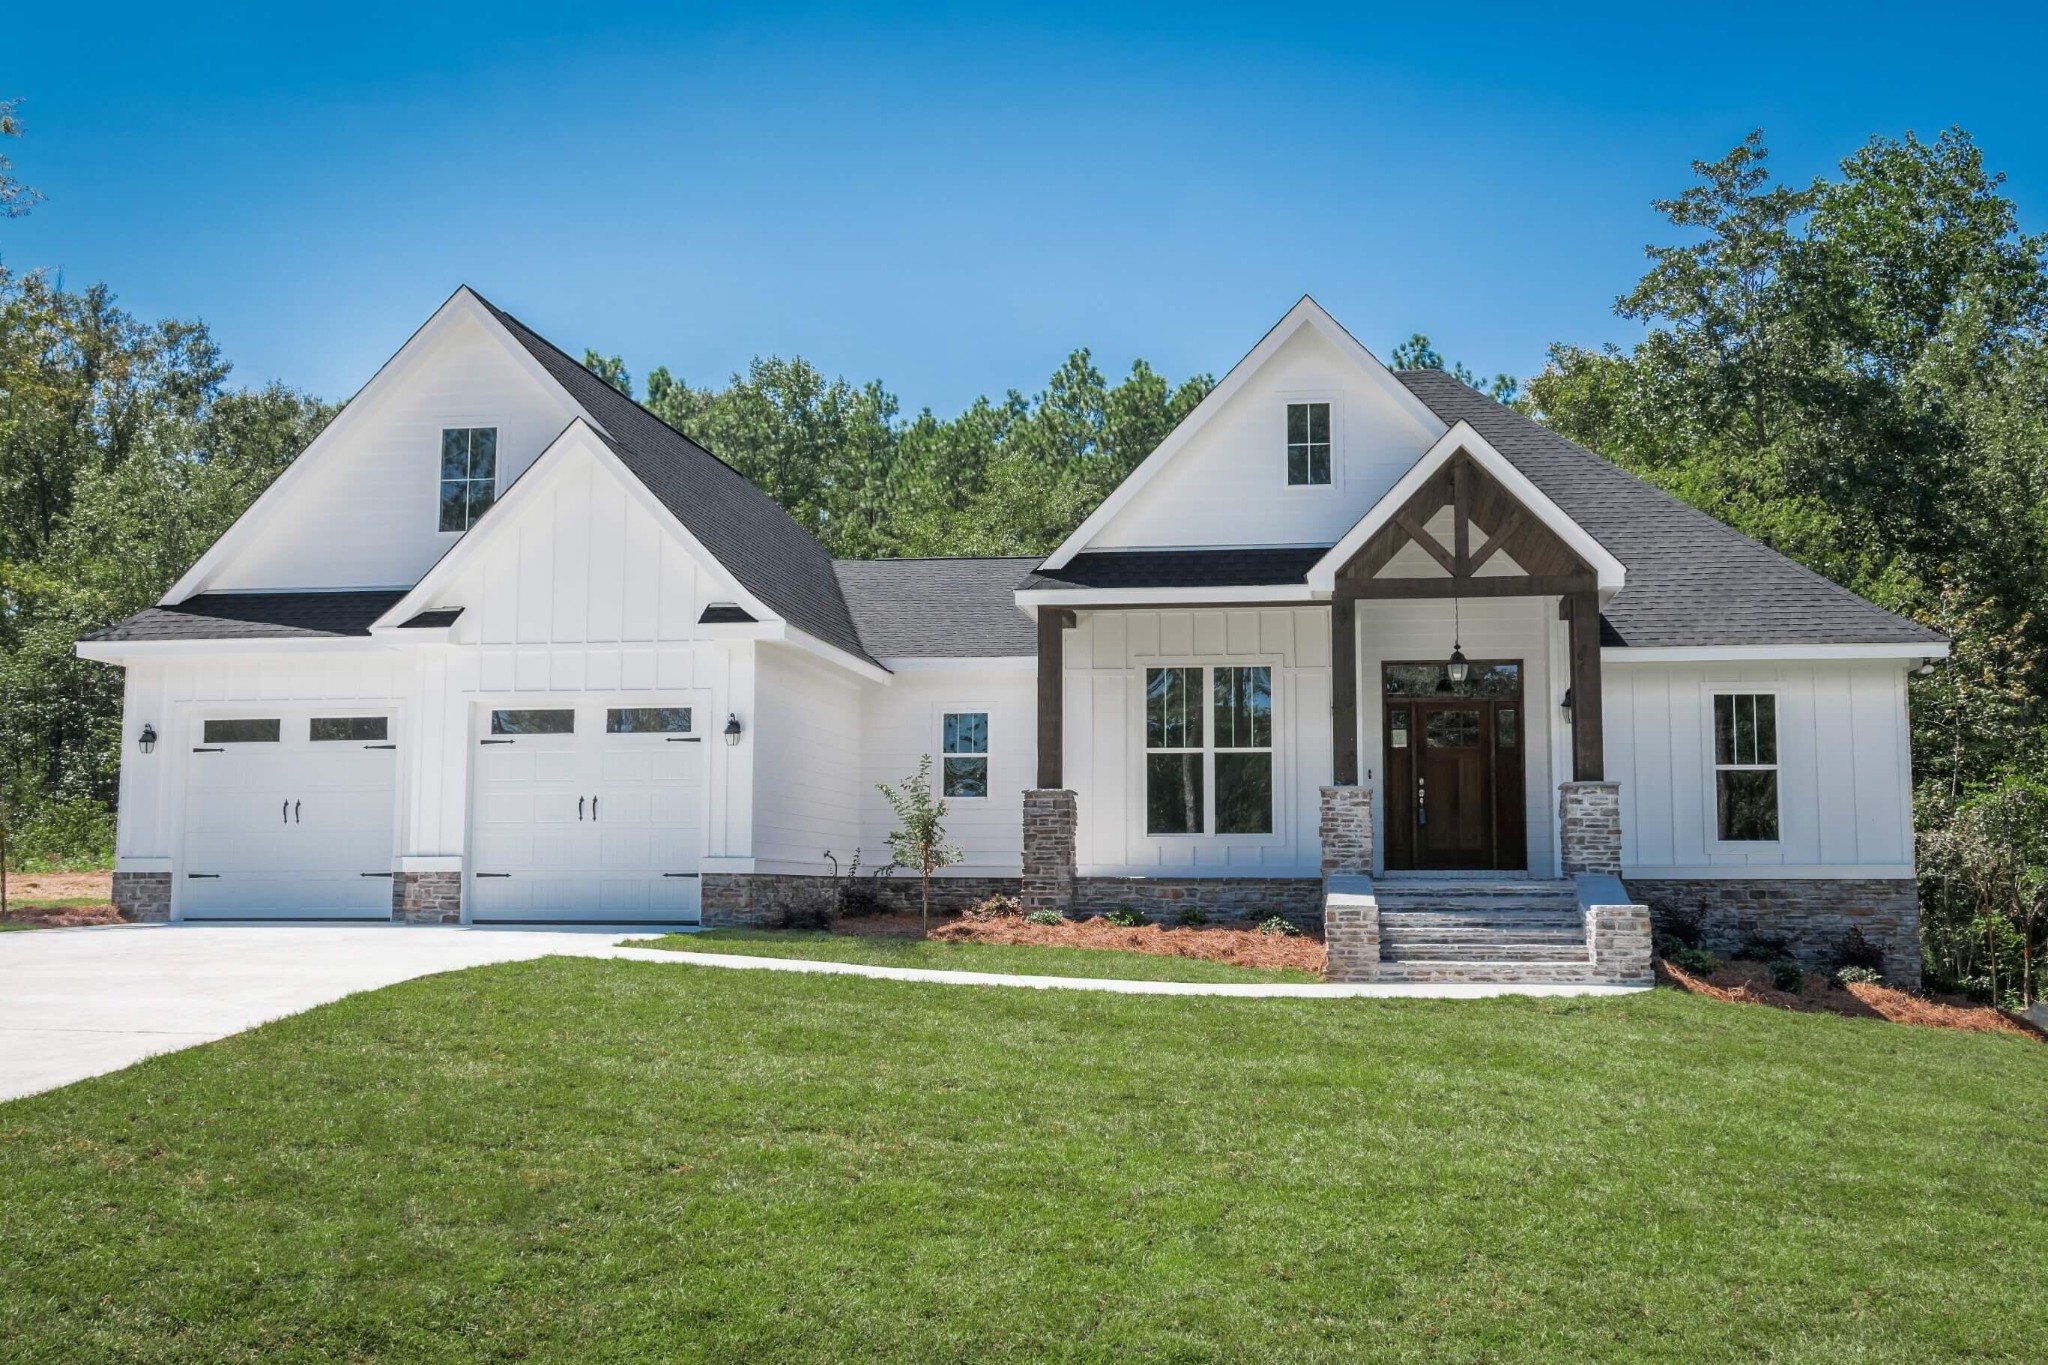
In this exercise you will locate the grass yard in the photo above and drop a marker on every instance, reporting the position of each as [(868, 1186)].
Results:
[(623, 1161), (1008, 959)]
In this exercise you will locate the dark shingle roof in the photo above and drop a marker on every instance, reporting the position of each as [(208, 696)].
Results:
[(1692, 580), (256, 616), (1247, 568), (725, 614), (944, 608), (758, 543)]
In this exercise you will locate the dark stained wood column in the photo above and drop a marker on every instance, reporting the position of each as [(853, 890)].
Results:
[(1344, 691), (1589, 763), (1052, 656)]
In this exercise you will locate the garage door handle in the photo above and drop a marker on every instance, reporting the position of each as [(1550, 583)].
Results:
[(295, 812), (203, 876), (593, 810), (579, 808), (494, 874), (284, 815)]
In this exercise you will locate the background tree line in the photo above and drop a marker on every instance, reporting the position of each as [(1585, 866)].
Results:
[(1853, 370)]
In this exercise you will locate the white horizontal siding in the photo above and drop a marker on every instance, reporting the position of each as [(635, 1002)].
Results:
[(807, 762)]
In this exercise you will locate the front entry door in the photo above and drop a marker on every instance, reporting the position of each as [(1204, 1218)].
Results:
[(1454, 769)]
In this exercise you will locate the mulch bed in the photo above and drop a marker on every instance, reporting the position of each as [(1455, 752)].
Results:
[(59, 916), (1213, 943), (1749, 983)]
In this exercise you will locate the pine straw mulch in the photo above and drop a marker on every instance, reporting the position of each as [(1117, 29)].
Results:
[(59, 916), (1749, 983), (60, 886), (1213, 943)]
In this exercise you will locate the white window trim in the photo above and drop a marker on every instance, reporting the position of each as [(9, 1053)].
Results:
[(1713, 766), (1275, 837), (939, 714), (497, 475), (1336, 483)]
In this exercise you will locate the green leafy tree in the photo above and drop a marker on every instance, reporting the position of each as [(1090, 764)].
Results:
[(919, 839), (1416, 353), (610, 369), (15, 197)]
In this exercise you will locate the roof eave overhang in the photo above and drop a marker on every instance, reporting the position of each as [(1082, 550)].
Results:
[(1031, 599), (123, 651), (1790, 653), (1608, 571)]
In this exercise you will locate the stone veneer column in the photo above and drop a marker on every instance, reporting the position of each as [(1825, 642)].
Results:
[(1589, 827), (426, 898), (1347, 831), (1050, 818), (143, 897)]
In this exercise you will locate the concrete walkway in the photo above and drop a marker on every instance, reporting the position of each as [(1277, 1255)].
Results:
[(81, 1002)]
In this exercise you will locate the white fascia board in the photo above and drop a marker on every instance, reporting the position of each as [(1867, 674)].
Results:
[(463, 303), (1033, 598), (1607, 569), (1708, 654), (976, 663), (123, 651), (1306, 313), (831, 654)]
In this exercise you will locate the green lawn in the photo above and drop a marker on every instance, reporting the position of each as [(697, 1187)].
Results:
[(572, 1159), (1020, 960)]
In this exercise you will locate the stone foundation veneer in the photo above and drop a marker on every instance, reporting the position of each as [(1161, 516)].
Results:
[(144, 897), (1051, 815), (426, 898), (1617, 932), (1589, 827), (1813, 916), (1298, 900), (760, 899), (1351, 928), (1346, 829)]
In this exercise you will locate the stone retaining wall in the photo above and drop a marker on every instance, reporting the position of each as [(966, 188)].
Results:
[(426, 898), (1812, 916), (144, 897)]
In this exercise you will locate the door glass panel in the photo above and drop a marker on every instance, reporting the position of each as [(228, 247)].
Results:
[(647, 720), (371, 728), (1452, 730), (241, 731), (1397, 728), (533, 722), (1434, 680), (1506, 727)]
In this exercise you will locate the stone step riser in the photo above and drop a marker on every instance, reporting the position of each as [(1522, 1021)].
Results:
[(1410, 942), (1524, 974), (1442, 952), (1483, 920), (1478, 902)]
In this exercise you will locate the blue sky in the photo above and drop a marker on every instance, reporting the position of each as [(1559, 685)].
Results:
[(948, 200)]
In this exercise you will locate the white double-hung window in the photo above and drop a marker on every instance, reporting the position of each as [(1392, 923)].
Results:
[(1746, 767), (1209, 750)]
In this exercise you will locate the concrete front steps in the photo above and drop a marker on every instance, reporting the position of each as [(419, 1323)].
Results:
[(1481, 929)]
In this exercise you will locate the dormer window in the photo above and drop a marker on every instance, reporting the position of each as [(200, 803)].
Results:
[(1308, 443), (469, 475)]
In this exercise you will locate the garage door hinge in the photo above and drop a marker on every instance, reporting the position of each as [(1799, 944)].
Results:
[(692, 739), (380, 746), (496, 741), (678, 874), (209, 751), (376, 874), (203, 876), (494, 874)]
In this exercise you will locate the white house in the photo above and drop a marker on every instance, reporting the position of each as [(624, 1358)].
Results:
[(1343, 622)]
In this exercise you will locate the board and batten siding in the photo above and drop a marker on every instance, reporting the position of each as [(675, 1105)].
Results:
[(1845, 768), (806, 738), (1107, 654), (903, 722), (367, 513), (1228, 485), (1496, 629), (580, 596)]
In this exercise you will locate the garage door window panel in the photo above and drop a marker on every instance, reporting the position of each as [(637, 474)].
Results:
[(533, 722), (242, 731), (335, 729), (647, 720)]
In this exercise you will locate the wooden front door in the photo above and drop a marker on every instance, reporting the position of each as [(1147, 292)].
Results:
[(1454, 781)]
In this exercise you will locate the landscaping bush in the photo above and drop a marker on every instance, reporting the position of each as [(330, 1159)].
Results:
[(857, 900), (60, 835), (1273, 924), (1858, 951), (995, 907), (1786, 973), (1125, 917), (1190, 917), (1853, 974), (1763, 949), (808, 914), (1684, 926), (1045, 917), (1690, 960)]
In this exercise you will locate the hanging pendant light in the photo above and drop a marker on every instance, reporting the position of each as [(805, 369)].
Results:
[(1457, 669)]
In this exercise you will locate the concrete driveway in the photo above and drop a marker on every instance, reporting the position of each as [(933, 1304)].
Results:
[(79, 1002)]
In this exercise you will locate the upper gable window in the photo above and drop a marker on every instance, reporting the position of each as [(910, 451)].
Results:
[(1308, 443), (469, 475)]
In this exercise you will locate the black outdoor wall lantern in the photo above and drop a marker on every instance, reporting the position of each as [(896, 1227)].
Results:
[(732, 729), (146, 741), (1566, 706)]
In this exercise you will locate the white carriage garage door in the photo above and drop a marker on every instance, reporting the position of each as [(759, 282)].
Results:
[(588, 814), (290, 816)]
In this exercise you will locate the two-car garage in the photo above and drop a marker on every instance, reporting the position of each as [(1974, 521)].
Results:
[(583, 813)]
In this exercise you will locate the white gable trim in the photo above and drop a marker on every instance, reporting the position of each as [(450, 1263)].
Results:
[(463, 303), (1609, 571), (1306, 313)]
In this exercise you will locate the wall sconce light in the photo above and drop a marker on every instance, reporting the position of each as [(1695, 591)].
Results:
[(1566, 706), (732, 729), (146, 741)]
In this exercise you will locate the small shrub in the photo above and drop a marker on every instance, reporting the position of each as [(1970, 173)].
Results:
[(1761, 948), (1858, 951), (1045, 917), (857, 900), (1786, 973), (1854, 974), (1190, 916), (1125, 917), (1684, 925), (1692, 961), (807, 914), (1273, 924), (995, 907)]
